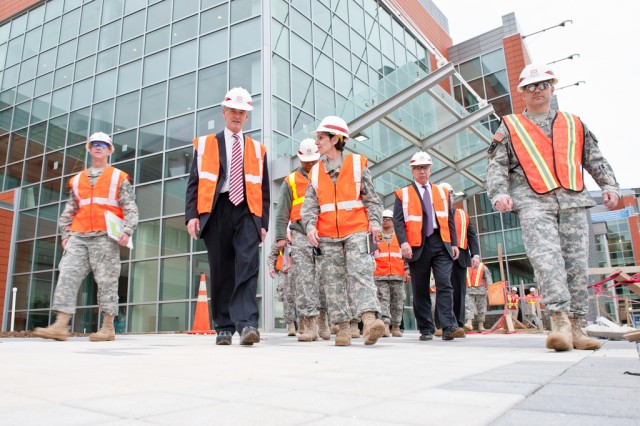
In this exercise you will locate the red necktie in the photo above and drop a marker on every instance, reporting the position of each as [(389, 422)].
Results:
[(236, 190)]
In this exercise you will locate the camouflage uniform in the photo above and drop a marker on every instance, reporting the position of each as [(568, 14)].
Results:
[(92, 251), (391, 294), (286, 292), (554, 225), (476, 299), (345, 268), (309, 295)]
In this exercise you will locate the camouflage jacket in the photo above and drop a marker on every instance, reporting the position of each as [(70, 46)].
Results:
[(283, 211)]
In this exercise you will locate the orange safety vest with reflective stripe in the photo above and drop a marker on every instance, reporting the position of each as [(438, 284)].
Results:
[(412, 211), (388, 258), (475, 277), (549, 163), (342, 212), (512, 301), (298, 184), (462, 225), (94, 202), (209, 168)]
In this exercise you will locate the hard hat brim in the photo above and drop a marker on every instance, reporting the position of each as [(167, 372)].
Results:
[(236, 105), (312, 157)]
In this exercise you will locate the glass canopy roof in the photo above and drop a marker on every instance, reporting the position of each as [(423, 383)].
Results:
[(408, 111)]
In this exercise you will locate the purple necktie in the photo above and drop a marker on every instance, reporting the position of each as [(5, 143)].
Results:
[(426, 199), (236, 191)]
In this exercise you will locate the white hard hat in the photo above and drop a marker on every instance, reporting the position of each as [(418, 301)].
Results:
[(333, 124), (446, 186), (534, 73), (387, 213), (99, 137), (532, 289), (308, 150), (238, 98), (420, 158), (514, 288)]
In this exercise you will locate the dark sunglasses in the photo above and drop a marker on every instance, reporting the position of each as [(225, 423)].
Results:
[(103, 145), (543, 85), (317, 251)]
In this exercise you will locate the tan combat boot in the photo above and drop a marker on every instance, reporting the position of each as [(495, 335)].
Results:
[(291, 329), (481, 326), (468, 326), (581, 340), (334, 329), (343, 337), (387, 332), (355, 331), (373, 328), (59, 330), (106, 333), (311, 330), (560, 337), (323, 327), (301, 325), (395, 331)]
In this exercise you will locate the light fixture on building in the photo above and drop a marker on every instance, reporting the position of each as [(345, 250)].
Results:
[(459, 194), (577, 83), (570, 57), (361, 137), (561, 24)]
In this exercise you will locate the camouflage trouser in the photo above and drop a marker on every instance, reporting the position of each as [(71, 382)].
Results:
[(391, 296), (309, 294), (475, 303), (557, 244), (287, 295), (345, 270), (98, 254)]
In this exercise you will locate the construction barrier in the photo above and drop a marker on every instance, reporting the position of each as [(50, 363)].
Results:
[(496, 293), (201, 321)]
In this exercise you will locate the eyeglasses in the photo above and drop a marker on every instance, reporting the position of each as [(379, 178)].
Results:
[(543, 85), (102, 145), (387, 218), (421, 168)]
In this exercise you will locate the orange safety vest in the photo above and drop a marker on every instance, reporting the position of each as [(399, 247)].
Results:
[(475, 277), (462, 225), (209, 168), (549, 163), (342, 212), (95, 201), (388, 258), (298, 184), (512, 301), (412, 211), (279, 262)]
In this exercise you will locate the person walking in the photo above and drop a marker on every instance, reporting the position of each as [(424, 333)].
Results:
[(99, 195), (227, 205), (535, 168), (478, 280), (340, 210), (279, 265)]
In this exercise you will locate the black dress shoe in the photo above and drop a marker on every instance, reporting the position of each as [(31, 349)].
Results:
[(448, 333), (249, 336), (426, 336), (224, 338)]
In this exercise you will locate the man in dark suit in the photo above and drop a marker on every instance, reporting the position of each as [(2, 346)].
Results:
[(425, 227), (469, 248), (227, 203)]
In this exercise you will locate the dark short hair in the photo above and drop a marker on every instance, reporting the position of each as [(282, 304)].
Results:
[(340, 144)]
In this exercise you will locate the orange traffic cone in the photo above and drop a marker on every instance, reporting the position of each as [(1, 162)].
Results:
[(201, 322)]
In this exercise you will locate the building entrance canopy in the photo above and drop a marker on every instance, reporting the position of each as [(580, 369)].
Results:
[(408, 111)]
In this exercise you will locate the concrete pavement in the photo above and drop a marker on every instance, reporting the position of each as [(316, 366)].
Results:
[(178, 379)]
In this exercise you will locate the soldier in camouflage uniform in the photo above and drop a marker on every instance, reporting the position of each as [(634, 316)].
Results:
[(279, 267), (476, 297), (542, 182), (340, 207), (389, 277), (310, 299), (87, 247)]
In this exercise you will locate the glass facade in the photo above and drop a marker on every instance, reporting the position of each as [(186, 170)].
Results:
[(153, 73)]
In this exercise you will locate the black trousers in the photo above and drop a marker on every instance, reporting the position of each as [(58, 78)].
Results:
[(434, 257), (459, 284), (232, 242)]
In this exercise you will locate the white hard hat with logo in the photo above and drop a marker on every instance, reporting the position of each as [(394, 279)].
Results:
[(308, 150), (420, 158), (238, 98), (334, 125), (387, 213), (99, 137), (446, 186), (535, 73)]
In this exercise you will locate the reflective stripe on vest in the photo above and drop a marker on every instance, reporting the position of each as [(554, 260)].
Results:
[(475, 277), (412, 211), (549, 163), (95, 201), (298, 184), (462, 225), (388, 258), (254, 153), (342, 212)]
